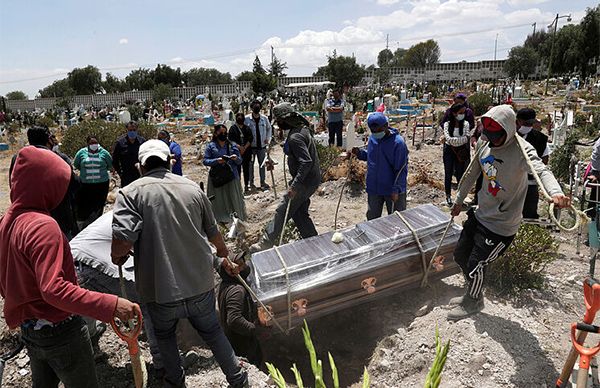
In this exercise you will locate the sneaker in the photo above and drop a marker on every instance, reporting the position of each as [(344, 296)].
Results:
[(456, 300), (449, 201), (265, 187), (247, 191), (252, 187), (469, 306)]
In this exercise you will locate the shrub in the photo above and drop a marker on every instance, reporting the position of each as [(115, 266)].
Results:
[(560, 160), (316, 366), (479, 102), (45, 122), (434, 377), (523, 264), (74, 137), (327, 158)]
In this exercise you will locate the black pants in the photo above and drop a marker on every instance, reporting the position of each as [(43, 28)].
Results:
[(530, 206), (246, 159), (476, 248), (335, 129), (452, 167), (91, 199)]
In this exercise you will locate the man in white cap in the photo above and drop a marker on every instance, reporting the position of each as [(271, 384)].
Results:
[(169, 221)]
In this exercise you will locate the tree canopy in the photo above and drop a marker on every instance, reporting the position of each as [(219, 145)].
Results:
[(521, 62), (342, 70), (422, 54), (16, 95), (86, 80)]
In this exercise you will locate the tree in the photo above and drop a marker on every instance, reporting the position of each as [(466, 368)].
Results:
[(521, 62), (590, 31), (398, 60), (201, 76), (262, 82), (344, 71), (245, 76), (162, 92), (277, 67), (140, 79), (384, 58), (58, 88), (164, 74), (422, 54), (113, 84), (537, 41), (16, 95), (86, 80)]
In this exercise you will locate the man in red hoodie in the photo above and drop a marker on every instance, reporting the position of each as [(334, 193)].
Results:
[(38, 281)]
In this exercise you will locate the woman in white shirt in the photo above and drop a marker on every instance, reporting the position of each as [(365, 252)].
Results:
[(456, 153)]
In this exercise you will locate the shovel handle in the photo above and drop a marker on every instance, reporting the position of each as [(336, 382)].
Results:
[(591, 296), (131, 337)]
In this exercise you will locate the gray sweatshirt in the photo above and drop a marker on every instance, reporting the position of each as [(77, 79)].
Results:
[(303, 159), (505, 170)]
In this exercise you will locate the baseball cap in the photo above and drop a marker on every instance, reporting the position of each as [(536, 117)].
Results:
[(153, 147), (376, 120), (527, 115), (461, 95), (491, 129)]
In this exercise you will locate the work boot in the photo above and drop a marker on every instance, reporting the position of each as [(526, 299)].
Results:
[(459, 299), (263, 244), (468, 307)]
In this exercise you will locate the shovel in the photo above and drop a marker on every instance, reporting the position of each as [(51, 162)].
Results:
[(129, 333)]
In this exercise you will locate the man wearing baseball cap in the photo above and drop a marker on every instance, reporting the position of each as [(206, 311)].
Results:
[(525, 122), (387, 167), (303, 163), (169, 221), (490, 229)]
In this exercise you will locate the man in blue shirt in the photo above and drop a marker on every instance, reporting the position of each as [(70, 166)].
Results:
[(335, 118), (261, 137), (175, 152), (387, 167)]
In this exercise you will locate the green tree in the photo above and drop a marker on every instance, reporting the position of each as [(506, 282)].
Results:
[(262, 82), (277, 67), (567, 46), (201, 76), (245, 76), (385, 58), (86, 80), (16, 95), (113, 84), (537, 41), (58, 88), (521, 61), (422, 54), (164, 74), (162, 92), (590, 43), (140, 79), (344, 71), (398, 60)]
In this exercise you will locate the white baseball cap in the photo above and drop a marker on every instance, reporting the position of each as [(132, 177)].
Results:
[(153, 147)]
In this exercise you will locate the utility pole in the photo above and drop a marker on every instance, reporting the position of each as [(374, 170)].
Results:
[(272, 55), (387, 42), (534, 24), (555, 22), (494, 92)]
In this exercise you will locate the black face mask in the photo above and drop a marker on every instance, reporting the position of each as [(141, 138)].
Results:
[(256, 109), (240, 122), (222, 136)]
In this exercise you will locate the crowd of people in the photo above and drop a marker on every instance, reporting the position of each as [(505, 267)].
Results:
[(163, 231)]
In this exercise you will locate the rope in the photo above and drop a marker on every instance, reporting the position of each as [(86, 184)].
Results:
[(416, 237), (337, 208), (288, 288), (579, 215), (284, 173)]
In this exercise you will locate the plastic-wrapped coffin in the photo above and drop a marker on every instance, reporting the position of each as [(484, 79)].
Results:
[(376, 258)]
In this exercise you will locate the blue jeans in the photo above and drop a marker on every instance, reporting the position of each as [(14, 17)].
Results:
[(260, 154), (62, 353), (335, 130), (375, 205), (200, 312)]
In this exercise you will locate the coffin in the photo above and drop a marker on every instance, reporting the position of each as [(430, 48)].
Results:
[(376, 258)]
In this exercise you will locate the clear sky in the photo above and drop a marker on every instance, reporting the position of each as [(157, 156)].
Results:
[(42, 40)]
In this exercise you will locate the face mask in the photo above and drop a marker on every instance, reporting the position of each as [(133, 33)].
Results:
[(240, 122), (94, 147), (256, 109), (460, 117), (165, 140), (55, 148), (525, 130), (379, 135), (132, 134), (222, 136)]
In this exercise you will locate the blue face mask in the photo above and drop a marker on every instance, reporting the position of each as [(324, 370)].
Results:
[(132, 134), (378, 135)]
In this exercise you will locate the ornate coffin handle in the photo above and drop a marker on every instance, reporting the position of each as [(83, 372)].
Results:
[(264, 317), (299, 307), (369, 285)]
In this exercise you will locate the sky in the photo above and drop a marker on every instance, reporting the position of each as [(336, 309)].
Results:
[(43, 40)]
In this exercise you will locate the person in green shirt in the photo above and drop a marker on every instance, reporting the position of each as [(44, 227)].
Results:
[(93, 163)]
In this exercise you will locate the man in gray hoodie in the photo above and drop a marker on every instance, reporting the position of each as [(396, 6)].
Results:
[(491, 228)]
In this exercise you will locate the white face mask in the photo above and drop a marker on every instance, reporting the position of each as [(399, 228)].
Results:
[(460, 116), (94, 147), (55, 148), (525, 130)]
